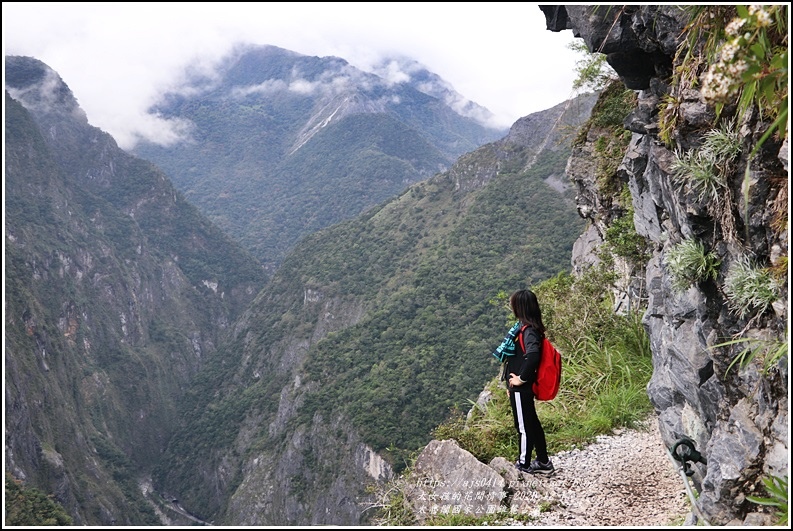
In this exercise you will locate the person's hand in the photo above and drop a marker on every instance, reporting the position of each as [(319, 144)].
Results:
[(514, 380)]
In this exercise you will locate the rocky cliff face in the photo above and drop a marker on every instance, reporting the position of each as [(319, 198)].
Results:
[(314, 474), (735, 414), (117, 292), (541, 130)]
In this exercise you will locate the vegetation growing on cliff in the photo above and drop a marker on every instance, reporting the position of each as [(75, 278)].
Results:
[(777, 497), (606, 367), (593, 72), (28, 506), (687, 263), (610, 141), (738, 56), (606, 361), (737, 53)]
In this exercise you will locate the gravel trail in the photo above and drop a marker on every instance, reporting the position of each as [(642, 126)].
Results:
[(624, 479)]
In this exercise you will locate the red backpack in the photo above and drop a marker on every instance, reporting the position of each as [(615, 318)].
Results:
[(549, 372)]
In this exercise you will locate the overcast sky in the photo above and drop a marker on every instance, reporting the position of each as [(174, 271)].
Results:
[(118, 57)]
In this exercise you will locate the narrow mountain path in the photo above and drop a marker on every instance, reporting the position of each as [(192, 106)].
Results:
[(624, 479)]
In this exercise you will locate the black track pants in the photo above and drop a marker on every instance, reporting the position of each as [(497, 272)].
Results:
[(530, 433)]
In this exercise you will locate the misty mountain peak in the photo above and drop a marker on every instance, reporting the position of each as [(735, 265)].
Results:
[(251, 73), (403, 70), (39, 88)]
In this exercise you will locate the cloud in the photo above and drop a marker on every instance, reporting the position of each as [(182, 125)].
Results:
[(154, 128), (271, 86), (118, 58), (393, 72), (44, 95)]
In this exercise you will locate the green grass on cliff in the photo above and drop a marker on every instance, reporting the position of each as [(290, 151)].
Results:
[(606, 364)]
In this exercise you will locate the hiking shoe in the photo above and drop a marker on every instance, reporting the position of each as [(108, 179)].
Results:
[(523, 468), (545, 469)]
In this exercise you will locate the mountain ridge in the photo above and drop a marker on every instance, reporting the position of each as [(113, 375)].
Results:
[(266, 122)]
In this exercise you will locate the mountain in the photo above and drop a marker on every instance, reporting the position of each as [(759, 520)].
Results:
[(281, 144), (117, 292), (412, 73), (146, 364), (370, 333)]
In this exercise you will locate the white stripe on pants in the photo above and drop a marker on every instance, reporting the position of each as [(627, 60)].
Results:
[(521, 428)]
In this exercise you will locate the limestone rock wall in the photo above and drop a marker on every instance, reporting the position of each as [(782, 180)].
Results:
[(735, 416)]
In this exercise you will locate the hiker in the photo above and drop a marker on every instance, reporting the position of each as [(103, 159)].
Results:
[(522, 371)]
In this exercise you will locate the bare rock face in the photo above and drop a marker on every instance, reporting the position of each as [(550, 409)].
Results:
[(639, 41), (450, 480), (736, 415), (532, 133)]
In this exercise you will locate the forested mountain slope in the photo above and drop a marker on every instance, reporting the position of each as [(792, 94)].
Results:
[(371, 332), (118, 294)]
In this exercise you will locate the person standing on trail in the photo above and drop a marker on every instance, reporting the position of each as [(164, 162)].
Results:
[(520, 373)]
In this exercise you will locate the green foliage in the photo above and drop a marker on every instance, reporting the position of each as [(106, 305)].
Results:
[(668, 118), (624, 241), (769, 352), (565, 299), (499, 518), (608, 114), (722, 145), (749, 288), (594, 73), (746, 50), (608, 153), (705, 169), (748, 59), (28, 507), (778, 491), (606, 367), (613, 106), (687, 264)]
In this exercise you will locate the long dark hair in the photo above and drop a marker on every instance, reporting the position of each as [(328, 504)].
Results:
[(526, 308)]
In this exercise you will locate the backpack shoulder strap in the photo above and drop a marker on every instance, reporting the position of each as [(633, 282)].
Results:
[(520, 338)]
